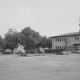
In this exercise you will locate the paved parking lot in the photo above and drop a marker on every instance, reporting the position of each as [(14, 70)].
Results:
[(45, 67)]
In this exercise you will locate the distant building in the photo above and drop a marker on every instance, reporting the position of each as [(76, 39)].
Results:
[(70, 40)]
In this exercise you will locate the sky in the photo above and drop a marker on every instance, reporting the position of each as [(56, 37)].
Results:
[(48, 17)]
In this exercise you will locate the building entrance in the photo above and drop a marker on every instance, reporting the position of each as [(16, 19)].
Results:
[(76, 47)]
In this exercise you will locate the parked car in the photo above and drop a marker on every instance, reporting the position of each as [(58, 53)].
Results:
[(7, 51)]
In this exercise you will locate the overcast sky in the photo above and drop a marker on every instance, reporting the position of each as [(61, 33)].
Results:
[(48, 17)]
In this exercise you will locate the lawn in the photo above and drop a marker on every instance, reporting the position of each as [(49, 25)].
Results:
[(45, 67)]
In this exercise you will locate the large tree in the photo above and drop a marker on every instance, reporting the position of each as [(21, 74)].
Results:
[(49, 43), (29, 38), (1, 42), (45, 42), (11, 39)]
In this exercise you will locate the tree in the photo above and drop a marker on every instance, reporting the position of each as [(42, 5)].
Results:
[(1, 42), (29, 38), (11, 39), (49, 43), (45, 42)]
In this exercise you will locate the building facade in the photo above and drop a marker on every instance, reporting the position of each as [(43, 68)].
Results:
[(70, 41)]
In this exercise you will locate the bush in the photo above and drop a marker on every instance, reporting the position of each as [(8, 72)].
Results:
[(55, 51), (22, 54), (19, 52), (59, 53)]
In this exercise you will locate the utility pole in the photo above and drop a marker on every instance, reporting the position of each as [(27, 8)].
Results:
[(66, 40), (79, 24)]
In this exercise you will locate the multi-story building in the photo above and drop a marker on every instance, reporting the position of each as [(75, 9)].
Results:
[(70, 41)]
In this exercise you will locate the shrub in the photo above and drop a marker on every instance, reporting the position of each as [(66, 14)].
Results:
[(19, 52), (22, 54), (59, 53)]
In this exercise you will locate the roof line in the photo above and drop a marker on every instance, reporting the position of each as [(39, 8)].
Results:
[(67, 35)]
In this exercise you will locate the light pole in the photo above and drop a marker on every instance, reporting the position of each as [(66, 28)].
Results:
[(66, 40)]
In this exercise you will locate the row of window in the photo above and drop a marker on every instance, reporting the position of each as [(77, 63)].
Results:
[(60, 39), (77, 48), (60, 47), (76, 37), (63, 39)]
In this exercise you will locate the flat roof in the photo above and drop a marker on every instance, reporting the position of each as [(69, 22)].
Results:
[(67, 35)]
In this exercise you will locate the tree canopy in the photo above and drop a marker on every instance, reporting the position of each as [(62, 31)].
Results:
[(11, 39), (28, 37)]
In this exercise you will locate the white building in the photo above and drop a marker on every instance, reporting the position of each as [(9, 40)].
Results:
[(70, 40)]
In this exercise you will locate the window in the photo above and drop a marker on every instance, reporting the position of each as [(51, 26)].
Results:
[(58, 47), (56, 39), (59, 39), (77, 48), (76, 37), (62, 39)]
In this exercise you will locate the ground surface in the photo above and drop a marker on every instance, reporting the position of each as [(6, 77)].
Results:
[(48, 67)]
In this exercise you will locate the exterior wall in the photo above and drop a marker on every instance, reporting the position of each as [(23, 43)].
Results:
[(53, 43), (70, 41), (57, 43)]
